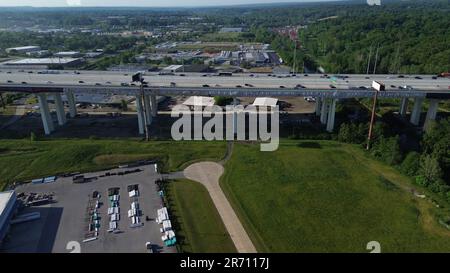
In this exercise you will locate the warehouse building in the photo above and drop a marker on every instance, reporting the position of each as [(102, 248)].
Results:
[(8, 205), (40, 63), (22, 49)]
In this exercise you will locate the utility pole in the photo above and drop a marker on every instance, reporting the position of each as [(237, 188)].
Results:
[(378, 87), (295, 55), (368, 62), (376, 60), (146, 125)]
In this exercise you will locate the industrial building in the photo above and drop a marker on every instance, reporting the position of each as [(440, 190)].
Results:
[(22, 49), (8, 205), (68, 54), (40, 63)]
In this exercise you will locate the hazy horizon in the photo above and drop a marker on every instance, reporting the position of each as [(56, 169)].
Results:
[(143, 3)]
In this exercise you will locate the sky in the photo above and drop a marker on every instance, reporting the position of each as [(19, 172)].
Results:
[(142, 3)]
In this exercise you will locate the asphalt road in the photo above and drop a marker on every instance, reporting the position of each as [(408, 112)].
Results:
[(312, 81)]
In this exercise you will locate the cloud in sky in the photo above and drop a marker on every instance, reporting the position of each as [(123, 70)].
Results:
[(149, 3)]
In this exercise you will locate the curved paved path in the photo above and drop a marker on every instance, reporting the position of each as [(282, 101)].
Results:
[(208, 174)]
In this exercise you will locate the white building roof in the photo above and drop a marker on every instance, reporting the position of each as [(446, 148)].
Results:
[(67, 53), (272, 102), (21, 48), (173, 67), (41, 61), (199, 101), (4, 199)]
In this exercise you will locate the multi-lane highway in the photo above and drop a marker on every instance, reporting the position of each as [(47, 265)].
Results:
[(243, 84)]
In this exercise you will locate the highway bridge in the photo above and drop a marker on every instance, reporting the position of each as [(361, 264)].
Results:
[(327, 89)]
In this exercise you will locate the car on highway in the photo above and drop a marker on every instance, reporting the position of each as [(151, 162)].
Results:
[(282, 86), (98, 84), (123, 84), (409, 87), (332, 86), (393, 86), (205, 85), (238, 86), (417, 78), (80, 81), (9, 81), (24, 82), (299, 86)]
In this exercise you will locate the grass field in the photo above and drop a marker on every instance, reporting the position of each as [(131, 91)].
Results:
[(198, 223), (312, 196), (25, 159)]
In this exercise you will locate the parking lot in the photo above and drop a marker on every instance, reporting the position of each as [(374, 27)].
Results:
[(66, 219)]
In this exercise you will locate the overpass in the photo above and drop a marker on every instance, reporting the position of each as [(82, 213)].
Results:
[(327, 89)]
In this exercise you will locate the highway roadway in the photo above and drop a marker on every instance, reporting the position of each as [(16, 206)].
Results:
[(209, 84)]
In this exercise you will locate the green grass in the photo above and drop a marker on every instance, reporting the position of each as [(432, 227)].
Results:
[(320, 196), (198, 223), (23, 159)]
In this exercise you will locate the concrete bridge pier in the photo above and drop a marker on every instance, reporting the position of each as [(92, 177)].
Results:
[(45, 114), (318, 105), (403, 107), (415, 114), (71, 103), (234, 116), (154, 105), (148, 109), (140, 114), (60, 109), (331, 115), (324, 111), (431, 114)]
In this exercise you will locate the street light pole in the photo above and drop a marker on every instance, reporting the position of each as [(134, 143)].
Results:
[(146, 125), (378, 87)]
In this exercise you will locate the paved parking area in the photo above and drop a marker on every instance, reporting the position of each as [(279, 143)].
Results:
[(64, 220)]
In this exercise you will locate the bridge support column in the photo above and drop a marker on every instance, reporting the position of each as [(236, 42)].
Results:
[(71, 103), (431, 114), (318, 105), (45, 114), (415, 114), (154, 105), (60, 109), (140, 114), (324, 111), (331, 115), (234, 116), (148, 109), (403, 107)]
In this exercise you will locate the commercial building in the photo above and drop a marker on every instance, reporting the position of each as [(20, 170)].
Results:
[(70, 54), (8, 205), (231, 29), (22, 49), (42, 62)]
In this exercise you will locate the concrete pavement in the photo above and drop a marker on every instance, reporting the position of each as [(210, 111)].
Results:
[(208, 174)]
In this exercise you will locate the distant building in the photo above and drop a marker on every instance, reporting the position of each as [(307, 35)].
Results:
[(93, 54), (22, 49), (39, 53), (70, 54), (8, 205), (172, 69), (231, 29), (199, 101), (43, 62)]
